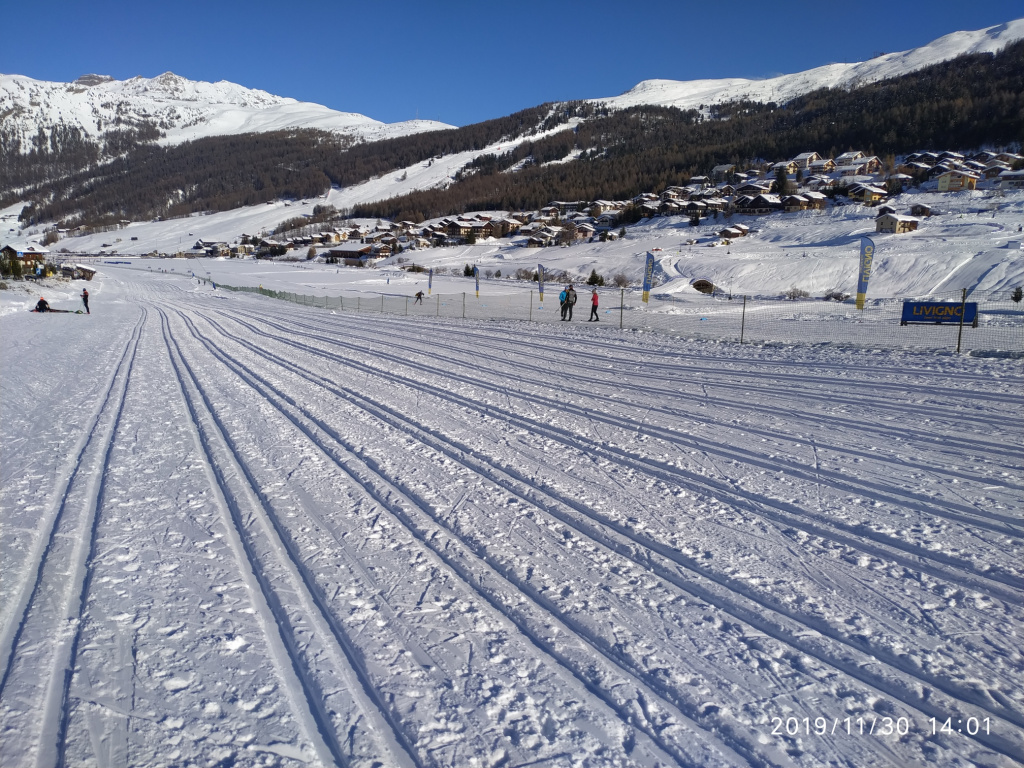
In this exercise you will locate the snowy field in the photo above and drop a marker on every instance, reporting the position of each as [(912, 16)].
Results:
[(971, 243), (239, 531)]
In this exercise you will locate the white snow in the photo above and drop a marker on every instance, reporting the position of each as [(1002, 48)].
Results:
[(692, 94), (242, 531), (185, 109), (964, 245)]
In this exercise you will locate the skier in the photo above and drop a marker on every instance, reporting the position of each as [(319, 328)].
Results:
[(593, 306), (85, 299), (561, 301), (42, 305), (419, 297), (570, 301)]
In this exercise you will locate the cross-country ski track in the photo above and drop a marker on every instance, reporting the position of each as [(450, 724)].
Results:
[(237, 531)]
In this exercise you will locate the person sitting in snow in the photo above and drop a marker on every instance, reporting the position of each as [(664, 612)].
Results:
[(42, 305)]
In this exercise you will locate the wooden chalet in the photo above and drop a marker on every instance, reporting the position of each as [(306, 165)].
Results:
[(758, 205), (822, 165), (956, 180), (1011, 180), (804, 159), (794, 203), (895, 223), (815, 200), (867, 193), (848, 158), (993, 169), (350, 255), (568, 207), (25, 253), (723, 172)]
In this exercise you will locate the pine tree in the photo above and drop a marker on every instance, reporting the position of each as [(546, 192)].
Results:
[(781, 182)]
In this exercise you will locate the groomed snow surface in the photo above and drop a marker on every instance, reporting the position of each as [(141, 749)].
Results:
[(238, 531)]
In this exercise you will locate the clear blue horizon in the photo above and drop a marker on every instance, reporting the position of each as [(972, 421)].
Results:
[(462, 62)]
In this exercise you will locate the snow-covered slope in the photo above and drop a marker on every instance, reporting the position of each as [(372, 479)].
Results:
[(693, 93), (244, 532), (182, 109)]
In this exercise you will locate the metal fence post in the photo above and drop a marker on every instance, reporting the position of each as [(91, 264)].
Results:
[(382, 303), (407, 306), (531, 306), (438, 305), (963, 310), (743, 319), (463, 305), (622, 301)]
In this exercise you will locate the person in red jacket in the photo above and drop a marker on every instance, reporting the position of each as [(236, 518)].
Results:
[(85, 299), (593, 306)]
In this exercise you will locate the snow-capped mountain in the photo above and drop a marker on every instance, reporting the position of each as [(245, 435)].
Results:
[(692, 93), (181, 109)]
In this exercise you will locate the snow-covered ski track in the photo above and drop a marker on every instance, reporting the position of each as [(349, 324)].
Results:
[(367, 540), (857, 667)]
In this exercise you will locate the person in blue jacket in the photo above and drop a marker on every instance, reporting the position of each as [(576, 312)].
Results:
[(568, 303)]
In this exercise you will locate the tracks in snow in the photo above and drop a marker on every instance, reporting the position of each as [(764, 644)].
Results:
[(791, 629), (601, 674), (39, 642), (781, 512), (313, 655)]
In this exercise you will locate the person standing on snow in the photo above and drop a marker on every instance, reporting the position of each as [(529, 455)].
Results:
[(85, 299), (419, 297), (593, 306), (570, 300), (562, 297)]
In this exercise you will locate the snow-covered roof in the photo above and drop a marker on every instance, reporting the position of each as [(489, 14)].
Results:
[(900, 217), (27, 248), (960, 172)]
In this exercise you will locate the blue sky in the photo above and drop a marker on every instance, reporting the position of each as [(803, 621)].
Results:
[(463, 62)]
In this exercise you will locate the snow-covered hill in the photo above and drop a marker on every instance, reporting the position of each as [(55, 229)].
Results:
[(693, 93), (180, 108)]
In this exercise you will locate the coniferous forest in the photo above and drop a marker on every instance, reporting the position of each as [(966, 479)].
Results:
[(969, 102)]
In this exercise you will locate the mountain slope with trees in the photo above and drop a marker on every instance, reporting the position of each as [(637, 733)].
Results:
[(971, 101)]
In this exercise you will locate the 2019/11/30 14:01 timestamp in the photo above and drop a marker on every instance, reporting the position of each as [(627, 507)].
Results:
[(877, 726)]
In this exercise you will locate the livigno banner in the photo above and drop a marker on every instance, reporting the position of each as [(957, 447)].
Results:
[(648, 276), (867, 255)]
